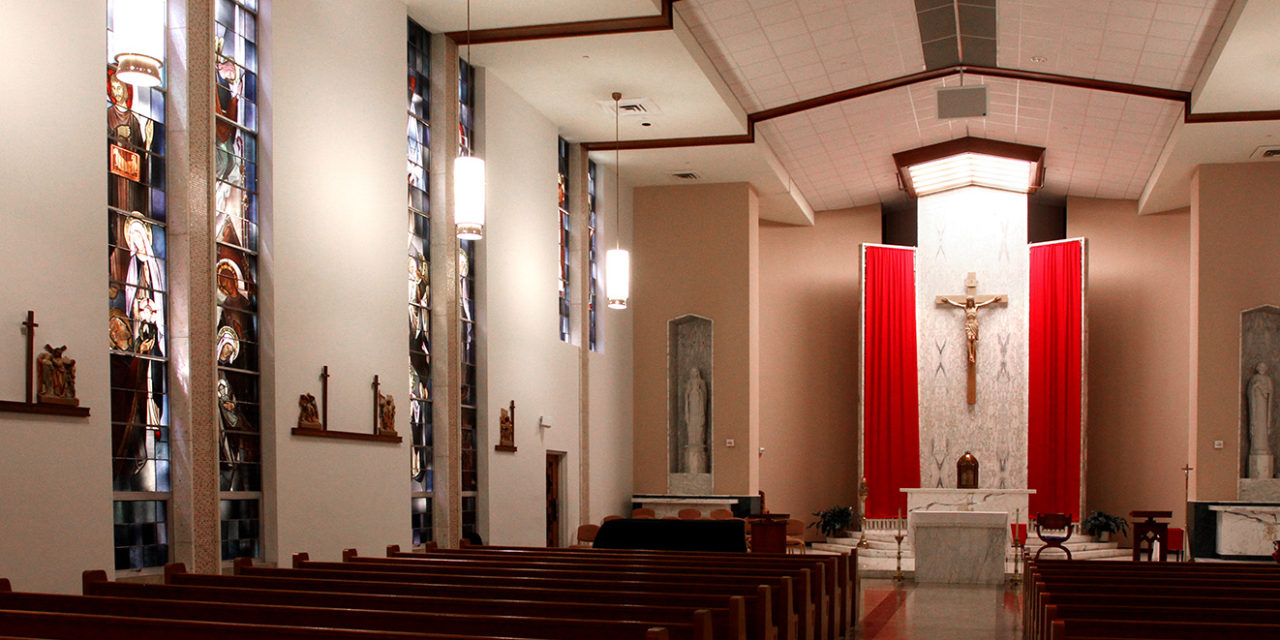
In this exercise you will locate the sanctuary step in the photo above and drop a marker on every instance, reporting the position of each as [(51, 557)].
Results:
[(879, 558)]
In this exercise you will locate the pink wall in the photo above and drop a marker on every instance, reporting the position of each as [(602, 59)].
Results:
[(809, 292), (1236, 240), (1139, 339), (696, 251)]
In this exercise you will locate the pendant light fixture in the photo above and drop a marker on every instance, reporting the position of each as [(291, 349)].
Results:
[(617, 261), (137, 40), (468, 180)]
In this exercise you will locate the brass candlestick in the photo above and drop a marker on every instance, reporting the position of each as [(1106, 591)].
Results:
[(862, 525), (897, 576)]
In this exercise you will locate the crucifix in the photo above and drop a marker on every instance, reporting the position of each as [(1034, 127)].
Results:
[(30, 327), (971, 302), (324, 397)]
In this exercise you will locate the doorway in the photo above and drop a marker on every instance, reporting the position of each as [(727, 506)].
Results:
[(555, 463)]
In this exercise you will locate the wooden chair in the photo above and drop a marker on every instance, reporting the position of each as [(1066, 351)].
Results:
[(587, 534), (643, 512), (608, 518), (721, 514), (1048, 528), (689, 514), (795, 535)]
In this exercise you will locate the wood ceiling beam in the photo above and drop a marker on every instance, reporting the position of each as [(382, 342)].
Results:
[(608, 26)]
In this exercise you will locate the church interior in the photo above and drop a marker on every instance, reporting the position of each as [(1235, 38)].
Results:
[(660, 254)]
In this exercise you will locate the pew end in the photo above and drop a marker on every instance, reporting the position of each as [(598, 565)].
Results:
[(349, 553), (242, 563), (656, 633), (392, 549), (88, 578), (5, 586), (298, 559), (171, 569)]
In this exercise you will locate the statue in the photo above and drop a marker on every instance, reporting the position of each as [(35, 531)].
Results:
[(695, 422), (1259, 392), (308, 415), (57, 377), (507, 428), (386, 415)]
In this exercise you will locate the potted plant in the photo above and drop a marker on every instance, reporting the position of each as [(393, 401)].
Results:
[(834, 521), (1101, 525)]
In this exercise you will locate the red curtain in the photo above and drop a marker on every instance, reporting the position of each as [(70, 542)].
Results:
[(891, 423), (1053, 439)]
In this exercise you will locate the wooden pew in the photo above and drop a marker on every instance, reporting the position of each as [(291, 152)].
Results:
[(809, 581), (727, 623), (1081, 629), (797, 612), (830, 573), (845, 576), (759, 599), (698, 628)]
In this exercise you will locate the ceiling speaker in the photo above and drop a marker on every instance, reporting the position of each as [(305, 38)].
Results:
[(962, 102)]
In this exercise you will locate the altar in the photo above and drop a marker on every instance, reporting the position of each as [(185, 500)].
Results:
[(959, 547), (1012, 502)]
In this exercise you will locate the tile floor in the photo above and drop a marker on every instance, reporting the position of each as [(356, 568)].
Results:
[(925, 611)]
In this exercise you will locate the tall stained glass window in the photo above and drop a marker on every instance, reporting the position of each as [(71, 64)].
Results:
[(593, 258), (236, 271), (466, 295), (562, 219), (422, 483), (137, 313)]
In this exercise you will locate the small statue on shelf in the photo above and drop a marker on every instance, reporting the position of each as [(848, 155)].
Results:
[(386, 415), (507, 429), (57, 377), (308, 414)]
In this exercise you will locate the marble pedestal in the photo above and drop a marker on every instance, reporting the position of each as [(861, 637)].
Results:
[(959, 547), (1261, 466), (1246, 530)]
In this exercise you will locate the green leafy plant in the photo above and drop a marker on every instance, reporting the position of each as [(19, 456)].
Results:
[(833, 521), (1102, 522)]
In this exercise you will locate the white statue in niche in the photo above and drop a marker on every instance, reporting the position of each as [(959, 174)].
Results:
[(695, 422), (1259, 391)]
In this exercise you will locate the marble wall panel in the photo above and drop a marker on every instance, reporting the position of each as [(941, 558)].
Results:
[(982, 231), (1259, 344)]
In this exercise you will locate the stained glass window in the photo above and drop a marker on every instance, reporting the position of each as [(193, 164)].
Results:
[(422, 473), (562, 219), (593, 258), (466, 291), (137, 314), (236, 272)]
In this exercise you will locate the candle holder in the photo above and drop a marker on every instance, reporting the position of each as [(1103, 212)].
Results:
[(1018, 550), (897, 576), (862, 522)]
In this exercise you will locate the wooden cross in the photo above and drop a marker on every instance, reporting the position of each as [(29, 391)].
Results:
[(30, 326), (971, 302), (324, 397)]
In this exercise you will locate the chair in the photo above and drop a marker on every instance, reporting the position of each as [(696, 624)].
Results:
[(1048, 528), (1175, 542), (721, 514), (608, 518), (689, 514), (587, 535), (795, 535), (643, 512)]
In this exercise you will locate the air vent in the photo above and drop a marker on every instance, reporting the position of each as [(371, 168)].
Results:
[(631, 107), (1266, 152), (685, 175)]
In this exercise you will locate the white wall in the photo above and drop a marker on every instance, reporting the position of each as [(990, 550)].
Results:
[(55, 474), (334, 269), (521, 355)]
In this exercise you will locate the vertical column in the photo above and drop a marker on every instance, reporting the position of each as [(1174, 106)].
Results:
[(194, 436), (445, 309), (580, 247)]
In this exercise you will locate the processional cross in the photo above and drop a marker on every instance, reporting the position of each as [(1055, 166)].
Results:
[(971, 302)]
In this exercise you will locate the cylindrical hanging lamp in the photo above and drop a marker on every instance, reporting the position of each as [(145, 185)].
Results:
[(137, 41), (468, 197), (617, 261)]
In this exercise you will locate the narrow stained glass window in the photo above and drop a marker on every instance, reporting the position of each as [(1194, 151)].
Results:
[(137, 312), (422, 481), (593, 259), (466, 294), (562, 220), (236, 273)]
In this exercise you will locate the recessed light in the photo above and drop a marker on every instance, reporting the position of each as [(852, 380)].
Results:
[(1039, 59)]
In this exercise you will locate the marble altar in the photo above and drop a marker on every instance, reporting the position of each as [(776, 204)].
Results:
[(1246, 530), (959, 547), (1010, 501)]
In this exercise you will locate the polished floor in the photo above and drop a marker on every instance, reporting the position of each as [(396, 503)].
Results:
[(913, 611)]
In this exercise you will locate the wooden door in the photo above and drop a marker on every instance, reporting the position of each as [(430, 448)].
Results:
[(553, 499)]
